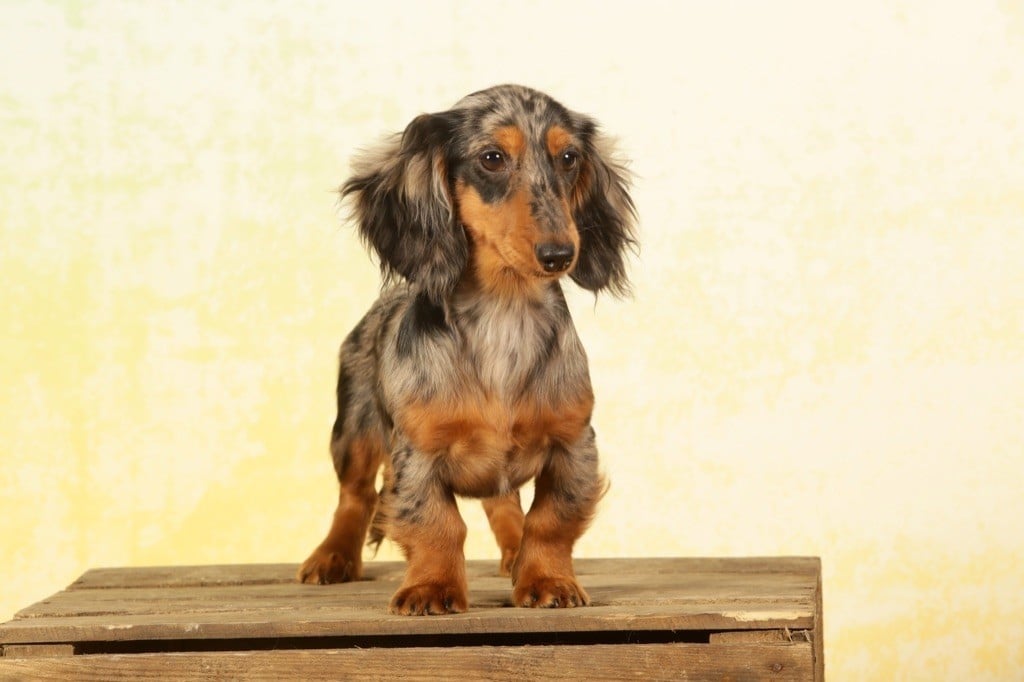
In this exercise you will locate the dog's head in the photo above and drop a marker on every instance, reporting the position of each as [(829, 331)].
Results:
[(508, 185)]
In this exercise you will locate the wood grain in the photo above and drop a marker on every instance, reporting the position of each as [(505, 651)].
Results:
[(264, 601), (263, 574), (598, 662), (734, 618)]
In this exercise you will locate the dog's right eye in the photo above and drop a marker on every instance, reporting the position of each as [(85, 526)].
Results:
[(493, 161)]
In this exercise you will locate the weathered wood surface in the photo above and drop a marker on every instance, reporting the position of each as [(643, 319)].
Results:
[(597, 662), (263, 601)]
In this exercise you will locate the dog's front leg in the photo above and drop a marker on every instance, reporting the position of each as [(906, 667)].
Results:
[(424, 520), (567, 492)]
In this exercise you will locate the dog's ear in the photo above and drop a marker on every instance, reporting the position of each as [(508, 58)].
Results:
[(402, 206), (604, 215)]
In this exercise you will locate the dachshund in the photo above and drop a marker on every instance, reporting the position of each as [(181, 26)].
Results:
[(467, 377)]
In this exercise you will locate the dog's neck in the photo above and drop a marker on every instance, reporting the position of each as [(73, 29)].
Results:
[(516, 297)]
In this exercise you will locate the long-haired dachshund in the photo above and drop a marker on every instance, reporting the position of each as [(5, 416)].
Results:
[(467, 377)]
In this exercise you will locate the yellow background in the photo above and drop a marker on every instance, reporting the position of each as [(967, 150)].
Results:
[(824, 354)]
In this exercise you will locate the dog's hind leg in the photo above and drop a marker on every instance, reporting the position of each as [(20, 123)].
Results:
[(505, 515), (339, 557)]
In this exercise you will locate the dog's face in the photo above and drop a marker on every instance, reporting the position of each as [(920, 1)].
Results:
[(513, 179), (508, 186)]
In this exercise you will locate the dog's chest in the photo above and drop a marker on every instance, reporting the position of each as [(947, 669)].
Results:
[(504, 346), (506, 402), (486, 447)]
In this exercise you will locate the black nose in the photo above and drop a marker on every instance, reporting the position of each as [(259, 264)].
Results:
[(555, 257)]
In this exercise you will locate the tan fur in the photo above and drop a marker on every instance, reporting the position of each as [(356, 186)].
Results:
[(511, 140), (504, 236), (558, 139), (339, 556), (505, 516)]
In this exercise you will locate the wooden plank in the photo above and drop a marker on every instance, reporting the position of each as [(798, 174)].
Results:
[(598, 662), (486, 592), (38, 650), (224, 602), (607, 588), (345, 621), (186, 576), (263, 574), (749, 636), (818, 633)]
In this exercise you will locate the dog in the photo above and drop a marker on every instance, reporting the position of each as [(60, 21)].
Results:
[(467, 377)]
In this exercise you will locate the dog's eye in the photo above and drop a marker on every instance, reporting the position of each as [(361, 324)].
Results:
[(569, 160), (493, 160)]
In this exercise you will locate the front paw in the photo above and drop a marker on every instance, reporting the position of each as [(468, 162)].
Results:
[(428, 599), (324, 567), (550, 592)]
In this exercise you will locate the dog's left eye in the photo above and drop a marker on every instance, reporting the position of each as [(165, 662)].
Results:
[(493, 160), (569, 159)]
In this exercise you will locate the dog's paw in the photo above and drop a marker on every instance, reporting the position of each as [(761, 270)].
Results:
[(324, 567), (428, 599), (550, 592)]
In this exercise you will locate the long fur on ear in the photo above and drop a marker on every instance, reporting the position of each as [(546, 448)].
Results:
[(401, 204), (604, 214)]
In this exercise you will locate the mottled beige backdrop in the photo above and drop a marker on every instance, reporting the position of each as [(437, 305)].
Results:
[(824, 354)]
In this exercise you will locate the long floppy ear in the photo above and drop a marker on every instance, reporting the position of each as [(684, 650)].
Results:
[(604, 215), (401, 204)]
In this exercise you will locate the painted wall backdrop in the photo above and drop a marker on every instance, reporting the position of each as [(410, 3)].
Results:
[(824, 353)]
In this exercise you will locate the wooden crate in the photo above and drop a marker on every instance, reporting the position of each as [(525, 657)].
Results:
[(693, 619)]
